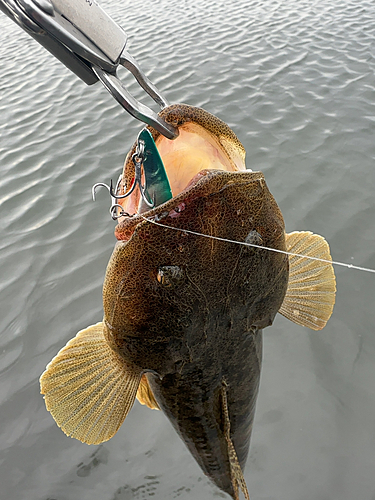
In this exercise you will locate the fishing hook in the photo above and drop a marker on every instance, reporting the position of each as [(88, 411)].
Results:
[(114, 205), (137, 158)]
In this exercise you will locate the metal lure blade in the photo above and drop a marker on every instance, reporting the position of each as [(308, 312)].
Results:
[(157, 185)]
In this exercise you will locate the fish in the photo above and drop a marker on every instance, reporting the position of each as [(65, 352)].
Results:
[(190, 286)]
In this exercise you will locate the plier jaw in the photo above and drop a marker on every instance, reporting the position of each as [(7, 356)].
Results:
[(84, 38)]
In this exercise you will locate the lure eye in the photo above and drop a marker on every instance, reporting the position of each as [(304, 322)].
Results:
[(170, 276)]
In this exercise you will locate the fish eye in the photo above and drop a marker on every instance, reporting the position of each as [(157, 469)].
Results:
[(169, 276)]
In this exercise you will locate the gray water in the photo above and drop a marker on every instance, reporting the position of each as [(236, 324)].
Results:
[(295, 81)]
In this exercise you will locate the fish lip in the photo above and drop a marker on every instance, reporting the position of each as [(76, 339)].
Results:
[(202, 184)]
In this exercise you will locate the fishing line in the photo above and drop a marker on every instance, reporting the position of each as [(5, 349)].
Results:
[(343, 264)]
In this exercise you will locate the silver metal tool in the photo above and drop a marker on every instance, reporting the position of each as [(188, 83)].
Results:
[(84, 38)]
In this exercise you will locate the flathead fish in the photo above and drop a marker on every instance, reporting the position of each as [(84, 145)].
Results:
[(184, 313)]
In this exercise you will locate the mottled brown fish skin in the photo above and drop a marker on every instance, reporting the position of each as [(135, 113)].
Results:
[(200, 325), (192, 398)]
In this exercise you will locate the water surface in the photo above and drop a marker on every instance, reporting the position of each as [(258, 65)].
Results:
[(295, 81)]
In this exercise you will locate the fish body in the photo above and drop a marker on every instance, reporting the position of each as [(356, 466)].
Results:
[(184, 313), (204, 326)]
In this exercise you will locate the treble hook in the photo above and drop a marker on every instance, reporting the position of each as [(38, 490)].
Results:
[(116, 215), (114, 205), (99, 184), (137, 158)]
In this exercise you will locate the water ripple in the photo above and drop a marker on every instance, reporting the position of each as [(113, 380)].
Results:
[(295, 81)]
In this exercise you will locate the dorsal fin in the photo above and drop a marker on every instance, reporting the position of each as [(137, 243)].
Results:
[(145, 395), (235, 467), (310, 296), (88, 388)]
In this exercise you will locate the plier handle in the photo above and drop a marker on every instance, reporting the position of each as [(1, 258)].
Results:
[(92, 45)]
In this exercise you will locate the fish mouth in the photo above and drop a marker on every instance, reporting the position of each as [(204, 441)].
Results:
[(195, 150), (205, 145)]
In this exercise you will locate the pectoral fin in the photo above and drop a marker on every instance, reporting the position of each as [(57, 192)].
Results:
[(235, 467), (310, 296), (88, 388), (145, 395)]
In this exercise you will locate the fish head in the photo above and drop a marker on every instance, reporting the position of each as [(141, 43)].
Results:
[(178, 266)]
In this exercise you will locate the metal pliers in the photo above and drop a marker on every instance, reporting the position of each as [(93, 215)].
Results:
[(84, 38)]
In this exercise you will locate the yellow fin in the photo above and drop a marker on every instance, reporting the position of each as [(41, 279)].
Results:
[(310, 296), (235, 467), (88, 388), (145, 395)]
